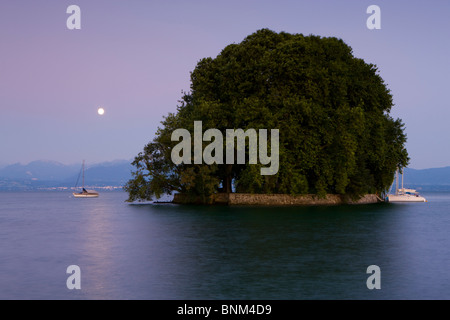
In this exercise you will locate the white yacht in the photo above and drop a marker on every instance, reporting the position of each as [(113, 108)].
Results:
[(404, 195)]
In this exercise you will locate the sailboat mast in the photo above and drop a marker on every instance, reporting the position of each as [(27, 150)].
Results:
[(402, 180), (83, 174), (396, 183)]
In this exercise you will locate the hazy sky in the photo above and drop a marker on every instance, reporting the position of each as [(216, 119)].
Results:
[(134, 58)]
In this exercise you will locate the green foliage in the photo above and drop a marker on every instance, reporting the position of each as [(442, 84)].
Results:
[(332, 110)]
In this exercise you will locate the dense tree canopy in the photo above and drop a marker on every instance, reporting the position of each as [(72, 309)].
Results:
[(331, 108)]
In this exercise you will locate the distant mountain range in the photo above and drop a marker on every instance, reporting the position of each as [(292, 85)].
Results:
[(433, 178), (51, 174)]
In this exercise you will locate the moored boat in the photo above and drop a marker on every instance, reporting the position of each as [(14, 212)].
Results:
[(404, 195), (85, 193)]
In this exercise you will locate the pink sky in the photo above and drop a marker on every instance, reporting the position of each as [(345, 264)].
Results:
[(134, 59)]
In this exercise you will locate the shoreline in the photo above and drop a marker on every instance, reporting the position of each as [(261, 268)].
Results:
[(247, 199)]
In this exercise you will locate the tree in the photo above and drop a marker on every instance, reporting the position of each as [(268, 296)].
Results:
[(332, 110)]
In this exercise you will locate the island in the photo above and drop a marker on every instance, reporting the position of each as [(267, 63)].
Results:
[(309, 123)]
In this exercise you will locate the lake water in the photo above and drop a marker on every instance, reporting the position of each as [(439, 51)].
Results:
[(165, 251)]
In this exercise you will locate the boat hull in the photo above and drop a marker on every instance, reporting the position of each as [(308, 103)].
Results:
[(85, 195), (405, 198)]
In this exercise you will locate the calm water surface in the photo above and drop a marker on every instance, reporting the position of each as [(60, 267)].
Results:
[(164, 251)]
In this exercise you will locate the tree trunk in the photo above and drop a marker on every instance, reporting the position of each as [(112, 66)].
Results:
[(228, 179)]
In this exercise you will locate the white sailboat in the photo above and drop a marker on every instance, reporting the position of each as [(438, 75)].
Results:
[(85, 193), (404, 195)]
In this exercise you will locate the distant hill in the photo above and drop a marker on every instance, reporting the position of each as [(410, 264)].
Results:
[(426, 178), (38, 170), (44, 174), (47, 174), (115, 173)]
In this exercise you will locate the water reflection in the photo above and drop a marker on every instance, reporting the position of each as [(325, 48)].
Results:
[(206, 252), (273, 253), (98, 250)]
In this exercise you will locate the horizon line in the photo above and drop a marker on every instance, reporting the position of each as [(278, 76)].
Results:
[(4, 164)]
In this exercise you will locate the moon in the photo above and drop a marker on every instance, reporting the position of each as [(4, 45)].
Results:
[(101, 111)]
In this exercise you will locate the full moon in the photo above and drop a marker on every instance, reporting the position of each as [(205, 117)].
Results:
[(101, 111)]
